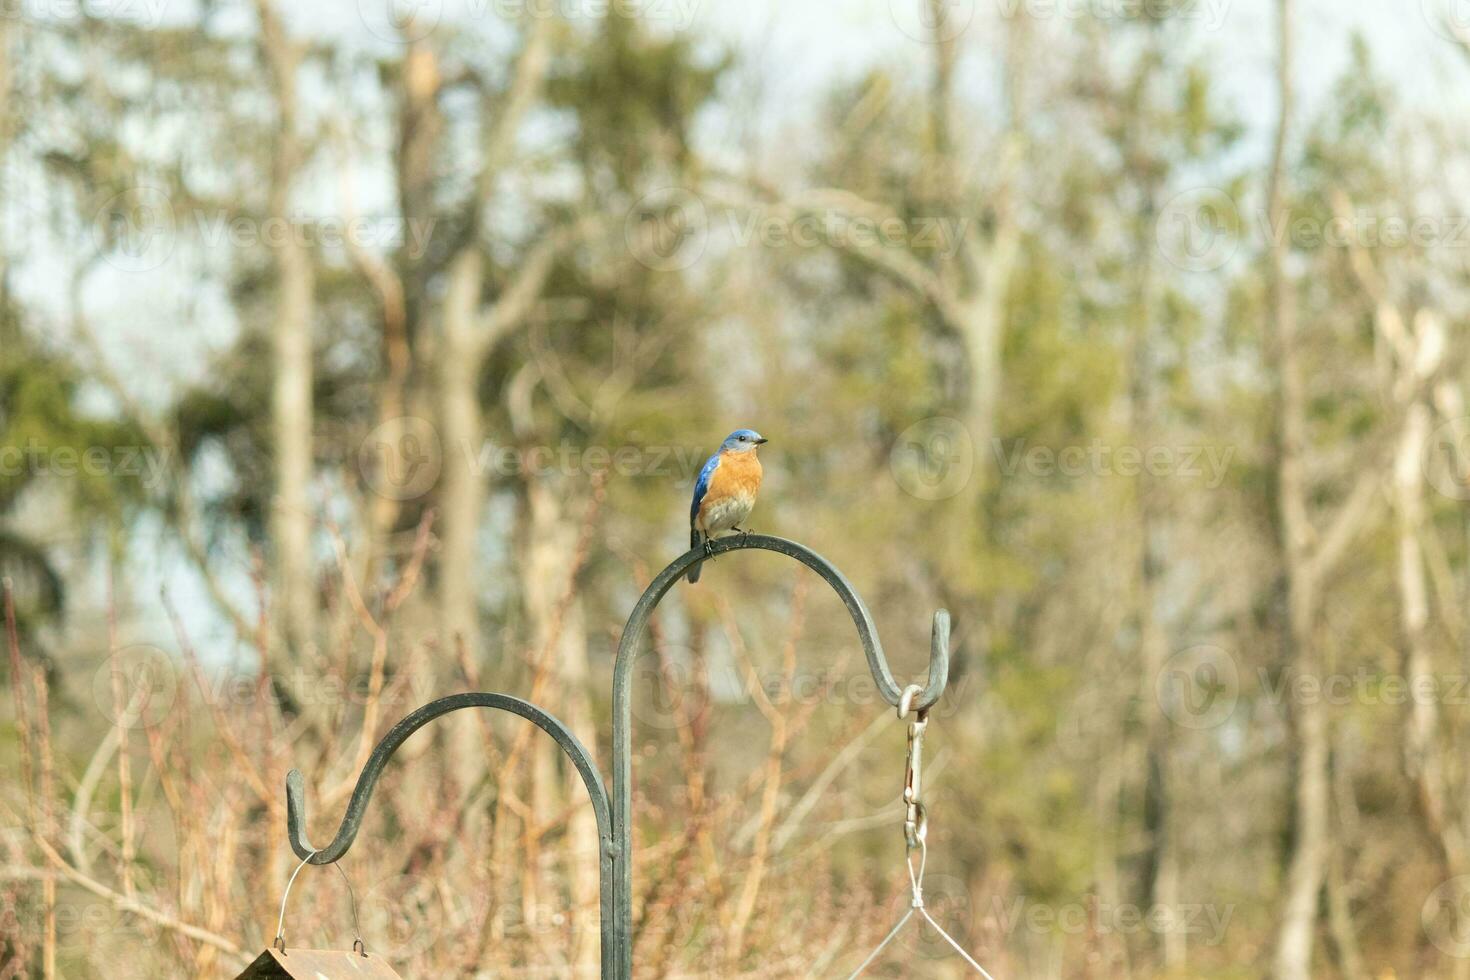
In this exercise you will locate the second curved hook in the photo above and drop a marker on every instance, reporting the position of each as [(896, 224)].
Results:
[(368, 780)]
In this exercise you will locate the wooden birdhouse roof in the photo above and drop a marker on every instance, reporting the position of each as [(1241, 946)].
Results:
[(318, 964)]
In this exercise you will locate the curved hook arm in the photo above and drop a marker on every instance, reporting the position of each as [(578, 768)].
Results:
[(362, 793), (368, 780), (622, 750), (861, 618)]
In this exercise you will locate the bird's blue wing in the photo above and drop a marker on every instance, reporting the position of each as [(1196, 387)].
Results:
[(701, 486)]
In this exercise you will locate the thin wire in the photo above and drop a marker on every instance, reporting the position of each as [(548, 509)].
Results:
[(357, 939), (958, 948), (352, 904), (916, 878), (886, 940), (281, 919)]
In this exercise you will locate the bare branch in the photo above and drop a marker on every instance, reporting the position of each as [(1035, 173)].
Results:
[(826, 203), (135, 907), (1352, 516), (162, 437), (520, 295), (380, 275), (525, 88)]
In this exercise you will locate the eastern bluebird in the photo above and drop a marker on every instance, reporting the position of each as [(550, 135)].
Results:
[(725, 492)]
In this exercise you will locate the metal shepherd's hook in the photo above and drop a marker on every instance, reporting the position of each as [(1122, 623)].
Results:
[(614, 816)]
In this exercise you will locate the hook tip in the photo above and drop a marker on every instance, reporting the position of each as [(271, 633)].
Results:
[(938, 659)]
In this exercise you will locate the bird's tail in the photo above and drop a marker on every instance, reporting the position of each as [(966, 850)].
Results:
[(694, 542)]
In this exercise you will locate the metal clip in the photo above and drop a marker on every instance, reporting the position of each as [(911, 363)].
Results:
[(916, 818)]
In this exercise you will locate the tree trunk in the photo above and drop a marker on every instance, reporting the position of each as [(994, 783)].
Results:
[(460, 435), (983, 329), (1161, 866), (291, 397), (469, 334), (978, 276), (1423, 757), (558, 632), (1422, 762), (1339, 908), (463, 491), (1308, 849), (291, 416), (1306, 862), (401, 284)]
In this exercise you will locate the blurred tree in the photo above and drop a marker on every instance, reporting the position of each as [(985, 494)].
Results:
[(1159, 119), (1303, 336), (292, 508), (48, 438)]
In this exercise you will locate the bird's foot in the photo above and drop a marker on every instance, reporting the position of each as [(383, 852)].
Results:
[(709, 547)]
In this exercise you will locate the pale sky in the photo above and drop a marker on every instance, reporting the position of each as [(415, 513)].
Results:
[(806, 42)]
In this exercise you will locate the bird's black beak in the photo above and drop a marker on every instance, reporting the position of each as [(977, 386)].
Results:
[(762, 441)]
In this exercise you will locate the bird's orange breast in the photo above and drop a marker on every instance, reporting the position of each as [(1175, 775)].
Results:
[(738, 475)]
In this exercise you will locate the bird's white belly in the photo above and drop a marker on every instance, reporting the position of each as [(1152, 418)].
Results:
[(725, 514)]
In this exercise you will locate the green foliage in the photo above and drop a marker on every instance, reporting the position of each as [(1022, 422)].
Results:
[(634, 97), (52, 447)]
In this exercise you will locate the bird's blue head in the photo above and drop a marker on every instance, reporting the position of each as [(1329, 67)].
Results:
[(742, 441)]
